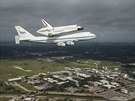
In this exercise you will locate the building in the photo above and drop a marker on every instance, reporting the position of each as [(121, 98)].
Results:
[(97, 84), (104, 81), (125, 91), (83, 75), (115, 84), (108, 86), (15, 79), (50, 80)]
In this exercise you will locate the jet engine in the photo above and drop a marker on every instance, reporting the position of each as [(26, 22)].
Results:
[(61, 44), (70, 43)]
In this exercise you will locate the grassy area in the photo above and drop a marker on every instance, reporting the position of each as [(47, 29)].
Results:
[(15, 90), (28, 86), (5, 99), (7, 69), (42, 100), (70, 98), (132, 99)]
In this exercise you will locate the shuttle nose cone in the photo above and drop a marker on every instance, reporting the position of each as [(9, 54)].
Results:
[(80, 28)]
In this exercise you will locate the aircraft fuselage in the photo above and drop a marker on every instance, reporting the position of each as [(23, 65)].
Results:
[(64, 38)]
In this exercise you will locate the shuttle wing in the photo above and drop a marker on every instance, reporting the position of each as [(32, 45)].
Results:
[(46, 24)]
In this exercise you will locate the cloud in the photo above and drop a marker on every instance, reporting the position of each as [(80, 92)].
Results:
[(110, 20)]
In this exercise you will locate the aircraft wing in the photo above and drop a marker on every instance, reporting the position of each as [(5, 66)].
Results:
[(65, 42), (46, 24)]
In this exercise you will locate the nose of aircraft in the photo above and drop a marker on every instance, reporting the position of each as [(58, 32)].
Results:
[(92, 35)]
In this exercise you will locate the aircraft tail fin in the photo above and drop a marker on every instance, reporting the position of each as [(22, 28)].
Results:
[(17, 41), (22, 34), (46, 24)]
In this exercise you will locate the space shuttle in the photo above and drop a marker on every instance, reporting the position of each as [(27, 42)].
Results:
[(49, 30)]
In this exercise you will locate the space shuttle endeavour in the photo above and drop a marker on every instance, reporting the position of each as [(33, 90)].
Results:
[(49, 30)]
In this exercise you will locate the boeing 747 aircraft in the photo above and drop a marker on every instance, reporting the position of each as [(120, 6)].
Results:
[(49, 30), (63, 40)]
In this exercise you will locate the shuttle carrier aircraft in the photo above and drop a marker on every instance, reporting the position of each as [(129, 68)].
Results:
[(61, 40)]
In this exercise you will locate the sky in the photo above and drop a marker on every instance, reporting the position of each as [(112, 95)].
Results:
[(110, 20)]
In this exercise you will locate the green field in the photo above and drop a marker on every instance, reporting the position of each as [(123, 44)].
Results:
[(5, 99), (7, 69)]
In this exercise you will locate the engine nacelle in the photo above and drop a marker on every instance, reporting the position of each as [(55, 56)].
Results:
[(70, 43), (61, 44)]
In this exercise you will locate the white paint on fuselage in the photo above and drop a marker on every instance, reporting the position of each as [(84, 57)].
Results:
[(64, 38), (58, 30)]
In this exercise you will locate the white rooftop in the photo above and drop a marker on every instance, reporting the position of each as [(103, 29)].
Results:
[(15, 79)]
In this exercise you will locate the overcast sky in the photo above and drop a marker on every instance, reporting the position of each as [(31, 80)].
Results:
[(110, 20)]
